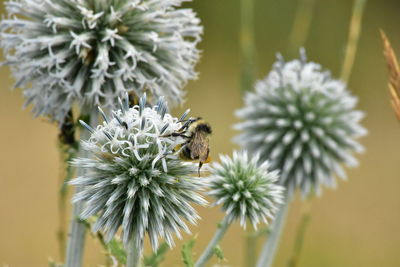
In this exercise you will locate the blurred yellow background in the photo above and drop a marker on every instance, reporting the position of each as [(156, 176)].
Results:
[(355, 225)]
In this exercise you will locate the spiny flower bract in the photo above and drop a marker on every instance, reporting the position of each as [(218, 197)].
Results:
[(133, 178), (303, 122), (92, 51), (245, 188)]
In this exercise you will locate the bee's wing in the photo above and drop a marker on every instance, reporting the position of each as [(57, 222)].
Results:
[(199, 147)]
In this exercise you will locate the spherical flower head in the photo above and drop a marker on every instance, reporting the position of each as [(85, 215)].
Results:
[(304, 123), (92, 51), (246, 189), (133, 178)]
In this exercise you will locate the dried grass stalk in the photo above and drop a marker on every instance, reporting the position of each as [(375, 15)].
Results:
[(394, 74)]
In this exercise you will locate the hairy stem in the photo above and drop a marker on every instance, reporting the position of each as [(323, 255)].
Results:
[(77, 231), (301, 24), (270, 246), (352, 42), (300, 235), (247, 44), (134, 253), (209, 251)]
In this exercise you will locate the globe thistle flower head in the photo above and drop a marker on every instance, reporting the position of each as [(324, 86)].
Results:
[(133, 180), (246, 189), (92, 51), (304, 122)]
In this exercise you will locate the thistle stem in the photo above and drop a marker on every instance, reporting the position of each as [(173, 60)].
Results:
[(300, 235), (301, 23), (248, 51), (77, 231), (270, 246), (352, 42), (62, 201), (247, 44), (250, 249), (68, 150), (133, 254), (209, 251)]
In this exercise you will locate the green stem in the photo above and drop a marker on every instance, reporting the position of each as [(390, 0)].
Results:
[(133, 254), (77, 231), (68, 150), (247, 44), (270, 246), (62, 201), (300, 236), (248, 51), (209, 251), (250, 249), (352, 42), (301, 23)]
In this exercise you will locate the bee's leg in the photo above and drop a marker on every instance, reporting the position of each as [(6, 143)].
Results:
[(185, 126), (180, 135), (166, 135), (187, 123), (200, 164), (177, 149), (180, 147), (175, 135)]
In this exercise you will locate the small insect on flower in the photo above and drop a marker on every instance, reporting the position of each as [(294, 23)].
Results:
[(133, 180), (197, 133)]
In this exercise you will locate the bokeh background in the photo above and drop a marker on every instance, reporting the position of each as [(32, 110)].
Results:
[(355, 225)]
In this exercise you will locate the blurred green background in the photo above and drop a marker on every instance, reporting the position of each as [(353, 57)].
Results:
[(355, 225)]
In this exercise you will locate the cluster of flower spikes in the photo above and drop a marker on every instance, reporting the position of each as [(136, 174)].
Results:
[(92, 51), (246, 189), (304, 123), (132, 177)]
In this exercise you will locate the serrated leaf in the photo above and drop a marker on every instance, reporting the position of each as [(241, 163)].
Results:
[(157, 257), (114, 250), (187, 255), (219, 253), (117, 250)]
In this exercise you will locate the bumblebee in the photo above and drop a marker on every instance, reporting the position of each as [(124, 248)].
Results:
[(197, 132)]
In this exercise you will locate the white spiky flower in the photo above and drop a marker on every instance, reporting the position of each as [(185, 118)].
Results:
[(245, 188), (133, 180), (92, 51), (303, 122)]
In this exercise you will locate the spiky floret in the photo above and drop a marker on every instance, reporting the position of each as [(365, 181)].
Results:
[(133, 179), (91, 51), (303, 122), (245, 188)]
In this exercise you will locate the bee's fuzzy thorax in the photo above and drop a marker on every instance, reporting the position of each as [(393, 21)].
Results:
[(196, 131), (203, 126)]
